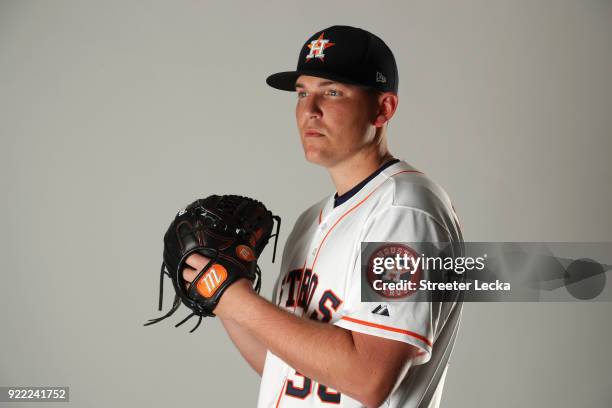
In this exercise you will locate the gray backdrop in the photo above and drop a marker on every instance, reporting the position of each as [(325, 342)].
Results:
[(117, 113)]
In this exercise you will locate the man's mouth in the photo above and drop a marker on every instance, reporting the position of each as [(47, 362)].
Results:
[(312, 133)]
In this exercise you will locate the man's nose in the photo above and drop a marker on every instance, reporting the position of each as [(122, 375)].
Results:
[(313, 107)]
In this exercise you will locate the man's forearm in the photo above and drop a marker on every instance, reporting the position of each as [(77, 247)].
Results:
[(326, 353), (253, 351)]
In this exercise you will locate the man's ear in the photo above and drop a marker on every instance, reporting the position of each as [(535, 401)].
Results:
[(387, 105)]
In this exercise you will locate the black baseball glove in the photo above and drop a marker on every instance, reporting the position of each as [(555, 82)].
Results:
[(231, 231)]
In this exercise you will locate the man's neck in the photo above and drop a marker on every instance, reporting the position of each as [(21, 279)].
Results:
[(351, 172)]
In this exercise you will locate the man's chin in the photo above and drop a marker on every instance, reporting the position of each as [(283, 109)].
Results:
[(315, 157)]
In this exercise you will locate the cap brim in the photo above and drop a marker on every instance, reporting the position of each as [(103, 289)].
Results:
[(285, 81)]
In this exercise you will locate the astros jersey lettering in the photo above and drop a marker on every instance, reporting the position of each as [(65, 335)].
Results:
[(320, 279)]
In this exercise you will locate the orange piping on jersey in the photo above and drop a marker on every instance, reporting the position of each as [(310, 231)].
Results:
[(340, 219), (352, 208), (280, 395), (405, 171), (389, 328)]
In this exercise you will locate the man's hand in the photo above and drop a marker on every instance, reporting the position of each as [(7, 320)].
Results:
[(196, 262), (253, 351)]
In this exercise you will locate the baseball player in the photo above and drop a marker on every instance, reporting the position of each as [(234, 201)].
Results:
[(316, 344)]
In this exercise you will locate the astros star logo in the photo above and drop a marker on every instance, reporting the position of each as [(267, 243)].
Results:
[(317, 47)]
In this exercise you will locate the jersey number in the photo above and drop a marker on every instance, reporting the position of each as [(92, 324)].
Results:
[(304, 391)]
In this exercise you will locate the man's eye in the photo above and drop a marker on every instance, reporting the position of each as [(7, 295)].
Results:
[(335, 92), (301, 94)]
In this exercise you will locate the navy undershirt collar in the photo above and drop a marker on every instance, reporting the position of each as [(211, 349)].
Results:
[(339, 200)]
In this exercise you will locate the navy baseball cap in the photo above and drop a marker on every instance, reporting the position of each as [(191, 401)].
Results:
[(343, 54)]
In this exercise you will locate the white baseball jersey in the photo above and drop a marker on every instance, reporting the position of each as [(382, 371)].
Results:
[(320, 278)]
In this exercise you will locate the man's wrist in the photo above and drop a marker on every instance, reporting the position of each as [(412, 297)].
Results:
[(232, 298)]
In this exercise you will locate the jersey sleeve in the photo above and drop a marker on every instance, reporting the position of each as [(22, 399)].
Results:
[(411, 322)]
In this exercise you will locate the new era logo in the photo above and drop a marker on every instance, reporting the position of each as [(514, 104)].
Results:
[(381, 310), (381, 78)]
